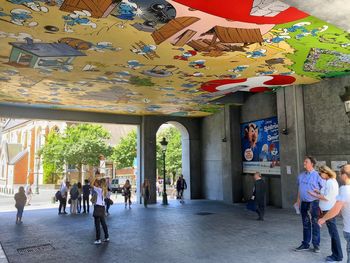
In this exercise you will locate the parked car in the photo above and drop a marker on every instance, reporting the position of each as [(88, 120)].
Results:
[(115, 186)]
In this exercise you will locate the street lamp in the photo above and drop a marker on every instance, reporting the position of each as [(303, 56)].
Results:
[(164, 144), (346, 99)]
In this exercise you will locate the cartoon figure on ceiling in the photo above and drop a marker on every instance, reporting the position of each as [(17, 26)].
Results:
[(18, 17), (77, 18), (34, 5)]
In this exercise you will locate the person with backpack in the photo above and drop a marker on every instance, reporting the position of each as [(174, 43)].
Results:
[(181, 185), (63, 199), (99, 194), (21, 200), (74, 195), (86, 196)]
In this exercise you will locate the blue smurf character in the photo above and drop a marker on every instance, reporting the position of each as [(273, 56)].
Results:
[(127, 10)]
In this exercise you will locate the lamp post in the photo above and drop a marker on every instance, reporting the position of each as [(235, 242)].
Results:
[(164, 144), (346, 99)]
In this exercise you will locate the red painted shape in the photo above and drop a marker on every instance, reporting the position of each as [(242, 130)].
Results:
[(211, 85), (239, 10), (259, 89), (279, 80)]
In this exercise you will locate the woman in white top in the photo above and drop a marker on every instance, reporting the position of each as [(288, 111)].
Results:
[(327, 198), (100, 191)]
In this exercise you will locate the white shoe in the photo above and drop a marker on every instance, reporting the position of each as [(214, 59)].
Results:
[(97, 242), (106, 239)]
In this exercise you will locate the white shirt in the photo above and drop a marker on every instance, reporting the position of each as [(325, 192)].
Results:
[(344, 196), (330, 192), (64, 190), (100, 199)]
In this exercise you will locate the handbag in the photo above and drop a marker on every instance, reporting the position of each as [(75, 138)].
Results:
[(99, 211), (70, 201), (251, 205)]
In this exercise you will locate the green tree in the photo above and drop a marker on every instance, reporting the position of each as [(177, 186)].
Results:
[(124, 153), (79, 145), (173, 157)]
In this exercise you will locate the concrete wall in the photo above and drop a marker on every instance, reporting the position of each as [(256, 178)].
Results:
[(327, 127)]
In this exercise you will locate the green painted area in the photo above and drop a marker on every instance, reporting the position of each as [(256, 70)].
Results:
[(312, 32)]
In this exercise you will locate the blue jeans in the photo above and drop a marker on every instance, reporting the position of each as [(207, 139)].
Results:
[(347, 238), (310, 226), (337, 253)]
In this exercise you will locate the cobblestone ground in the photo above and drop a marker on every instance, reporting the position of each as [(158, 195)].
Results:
[(176, 233)]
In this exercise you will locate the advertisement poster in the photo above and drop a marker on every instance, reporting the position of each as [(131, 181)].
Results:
[(260, 146)]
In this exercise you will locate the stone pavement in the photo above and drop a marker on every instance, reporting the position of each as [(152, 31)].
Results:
[(176, 233)]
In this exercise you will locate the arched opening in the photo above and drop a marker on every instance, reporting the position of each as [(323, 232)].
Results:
[(177, 159)]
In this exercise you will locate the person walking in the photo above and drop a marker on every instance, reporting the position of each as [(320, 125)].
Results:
[(21, 200), (74, 195), (259, 194), (100, 192), (327, 198), (63, 199), (29, 193), (86, 196), (342, 205), (181, 185), (127, 193), (146, 192), (309, 180), (80, 190)]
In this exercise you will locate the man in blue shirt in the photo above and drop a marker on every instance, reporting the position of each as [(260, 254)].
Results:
[(309, 181)]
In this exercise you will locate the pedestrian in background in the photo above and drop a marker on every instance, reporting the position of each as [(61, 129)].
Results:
[(127, 193), (86, 196), (146, 192), (21, 200), (309, 181), (100, 191), (327, 198), (181, 185), (342, 204), (63, 199), (29, 193), (259, 196), (74, 195)]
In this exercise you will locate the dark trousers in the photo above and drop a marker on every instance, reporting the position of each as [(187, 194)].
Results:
[(100, 220), (260, 209), (108, 205), (310, 225), (126, 198), (145, 200), (79, 204), (20, 212), (63, 204), (86, 204), (335, 240)]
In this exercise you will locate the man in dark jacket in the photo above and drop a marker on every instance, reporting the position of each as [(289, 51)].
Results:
[(86, 195), (259, 193), (181, 185)]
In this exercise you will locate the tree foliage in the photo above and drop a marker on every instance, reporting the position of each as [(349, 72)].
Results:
[(124, 153), (77, 145), (173, 154)]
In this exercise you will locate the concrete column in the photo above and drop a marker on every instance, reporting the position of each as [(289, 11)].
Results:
[(236, 153), (290, 109), (227, 180), (148, 166)]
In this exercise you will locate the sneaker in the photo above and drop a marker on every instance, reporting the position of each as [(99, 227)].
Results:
[(316, 249), (106, 239), (97, 242), (332, 259), (302, 247), (65, 213)]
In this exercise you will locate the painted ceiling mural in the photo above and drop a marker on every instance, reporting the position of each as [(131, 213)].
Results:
[(159, 57)]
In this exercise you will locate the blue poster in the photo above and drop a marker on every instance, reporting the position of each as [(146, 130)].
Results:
[(260, 146)]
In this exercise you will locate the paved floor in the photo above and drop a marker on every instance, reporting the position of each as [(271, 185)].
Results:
[(161, 234)]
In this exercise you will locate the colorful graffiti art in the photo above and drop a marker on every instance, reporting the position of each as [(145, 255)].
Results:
[(171, 57)]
